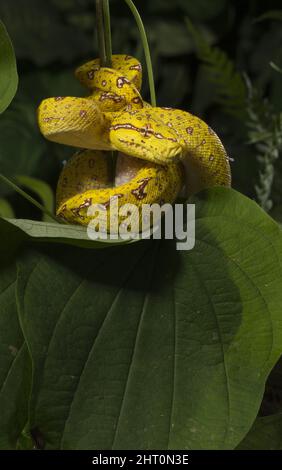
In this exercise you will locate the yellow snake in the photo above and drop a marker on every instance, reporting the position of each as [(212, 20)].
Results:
[(161, 149)]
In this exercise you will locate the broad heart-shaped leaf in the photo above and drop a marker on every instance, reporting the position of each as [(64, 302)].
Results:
[(145, 347), (15, 371), (8, 70), (266, 434)]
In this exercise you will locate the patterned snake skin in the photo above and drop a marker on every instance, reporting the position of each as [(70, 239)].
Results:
[(160, 148)]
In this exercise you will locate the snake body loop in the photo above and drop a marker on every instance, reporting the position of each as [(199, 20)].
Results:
[(155, 144)]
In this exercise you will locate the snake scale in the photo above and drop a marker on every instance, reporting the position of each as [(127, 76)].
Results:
[(160, 149)]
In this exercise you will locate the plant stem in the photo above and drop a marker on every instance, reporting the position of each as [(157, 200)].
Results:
[(101, 32), (28, 197), (146, 50), (107, 33), (104, 32)]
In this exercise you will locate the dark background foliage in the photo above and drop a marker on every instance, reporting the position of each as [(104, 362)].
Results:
[(52, 37)]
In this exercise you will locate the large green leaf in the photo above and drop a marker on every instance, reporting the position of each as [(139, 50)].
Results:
[(8, 70), (15, 370), (266, 434), (142, 346)]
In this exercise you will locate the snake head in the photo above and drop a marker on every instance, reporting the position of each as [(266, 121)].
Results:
[(77, 122), (142, 135)]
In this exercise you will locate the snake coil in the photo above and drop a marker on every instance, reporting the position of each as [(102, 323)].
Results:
[(160, 149)]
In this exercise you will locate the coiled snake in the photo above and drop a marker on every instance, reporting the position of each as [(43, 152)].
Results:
[(160, 148)]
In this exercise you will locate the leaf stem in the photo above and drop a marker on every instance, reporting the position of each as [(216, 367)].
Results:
[(146, 50), (28, 197)]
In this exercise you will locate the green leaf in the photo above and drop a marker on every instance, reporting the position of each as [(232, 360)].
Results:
[(23, 229), (8, 70), (269, 15), (42, 190), (6, 209), (266, 434), (146, 347), (15, 372)]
